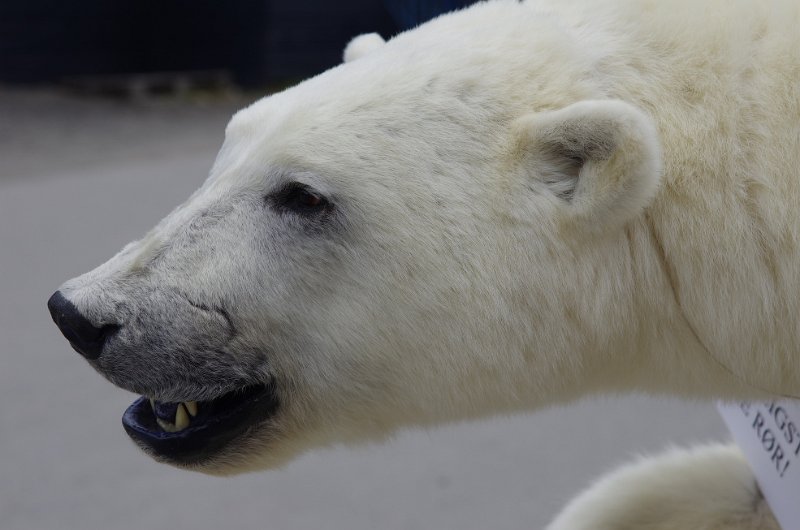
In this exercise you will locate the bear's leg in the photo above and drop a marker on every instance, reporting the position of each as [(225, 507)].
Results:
[(705, 488)]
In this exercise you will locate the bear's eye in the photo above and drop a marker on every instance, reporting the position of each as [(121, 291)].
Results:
[(300, 199)]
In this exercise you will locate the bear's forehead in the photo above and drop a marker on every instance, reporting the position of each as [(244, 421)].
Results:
[(328, 100), (396, 105), (454, 55), (332, 123)]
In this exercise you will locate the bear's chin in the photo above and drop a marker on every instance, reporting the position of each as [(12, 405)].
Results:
[(200, 435)]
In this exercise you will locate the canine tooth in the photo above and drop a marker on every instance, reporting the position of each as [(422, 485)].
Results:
[(181, 418), (167, 426), (152, 403), (191, 407)]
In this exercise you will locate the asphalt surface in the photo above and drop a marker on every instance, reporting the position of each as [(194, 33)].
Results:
[(78, 179)]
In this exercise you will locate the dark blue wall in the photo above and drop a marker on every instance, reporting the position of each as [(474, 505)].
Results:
[(258, 41), (410, 13)]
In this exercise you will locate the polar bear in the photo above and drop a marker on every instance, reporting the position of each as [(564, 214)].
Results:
[(510, 206)]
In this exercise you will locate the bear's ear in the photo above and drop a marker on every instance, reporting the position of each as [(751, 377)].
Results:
[(362, 45), (601, 159)]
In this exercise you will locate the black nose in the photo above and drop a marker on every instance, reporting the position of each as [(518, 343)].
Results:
[(82, 335)]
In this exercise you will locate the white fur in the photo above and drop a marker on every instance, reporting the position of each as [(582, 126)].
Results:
[(362, 45), (708, 487), (538, 201), (619, 160)]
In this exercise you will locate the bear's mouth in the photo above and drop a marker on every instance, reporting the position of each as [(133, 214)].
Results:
[(191, 432)]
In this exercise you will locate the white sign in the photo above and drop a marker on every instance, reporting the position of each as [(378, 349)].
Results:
[(769, 436)]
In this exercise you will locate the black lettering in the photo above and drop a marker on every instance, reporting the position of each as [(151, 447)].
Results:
[(791, 432), (768, 440), (777, 458), (758, 423), (745, 406), (797, 448), (781, 417)]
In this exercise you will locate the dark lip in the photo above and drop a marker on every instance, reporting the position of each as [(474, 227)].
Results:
[(226, 419)]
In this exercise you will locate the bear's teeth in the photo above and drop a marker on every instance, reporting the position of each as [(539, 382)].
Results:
[(167, 426), (181, 418), (191, 407)]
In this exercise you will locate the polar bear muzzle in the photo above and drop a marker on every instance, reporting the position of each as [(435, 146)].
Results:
[(83, 336), (189, 416), (191, 433)]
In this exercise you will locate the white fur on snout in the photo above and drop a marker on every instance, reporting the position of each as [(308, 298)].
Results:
[(148, 249)]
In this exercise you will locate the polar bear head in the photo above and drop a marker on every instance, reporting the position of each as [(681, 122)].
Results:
[(430, 232)]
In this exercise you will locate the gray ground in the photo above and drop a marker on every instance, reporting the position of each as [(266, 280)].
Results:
[(78, 179)]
